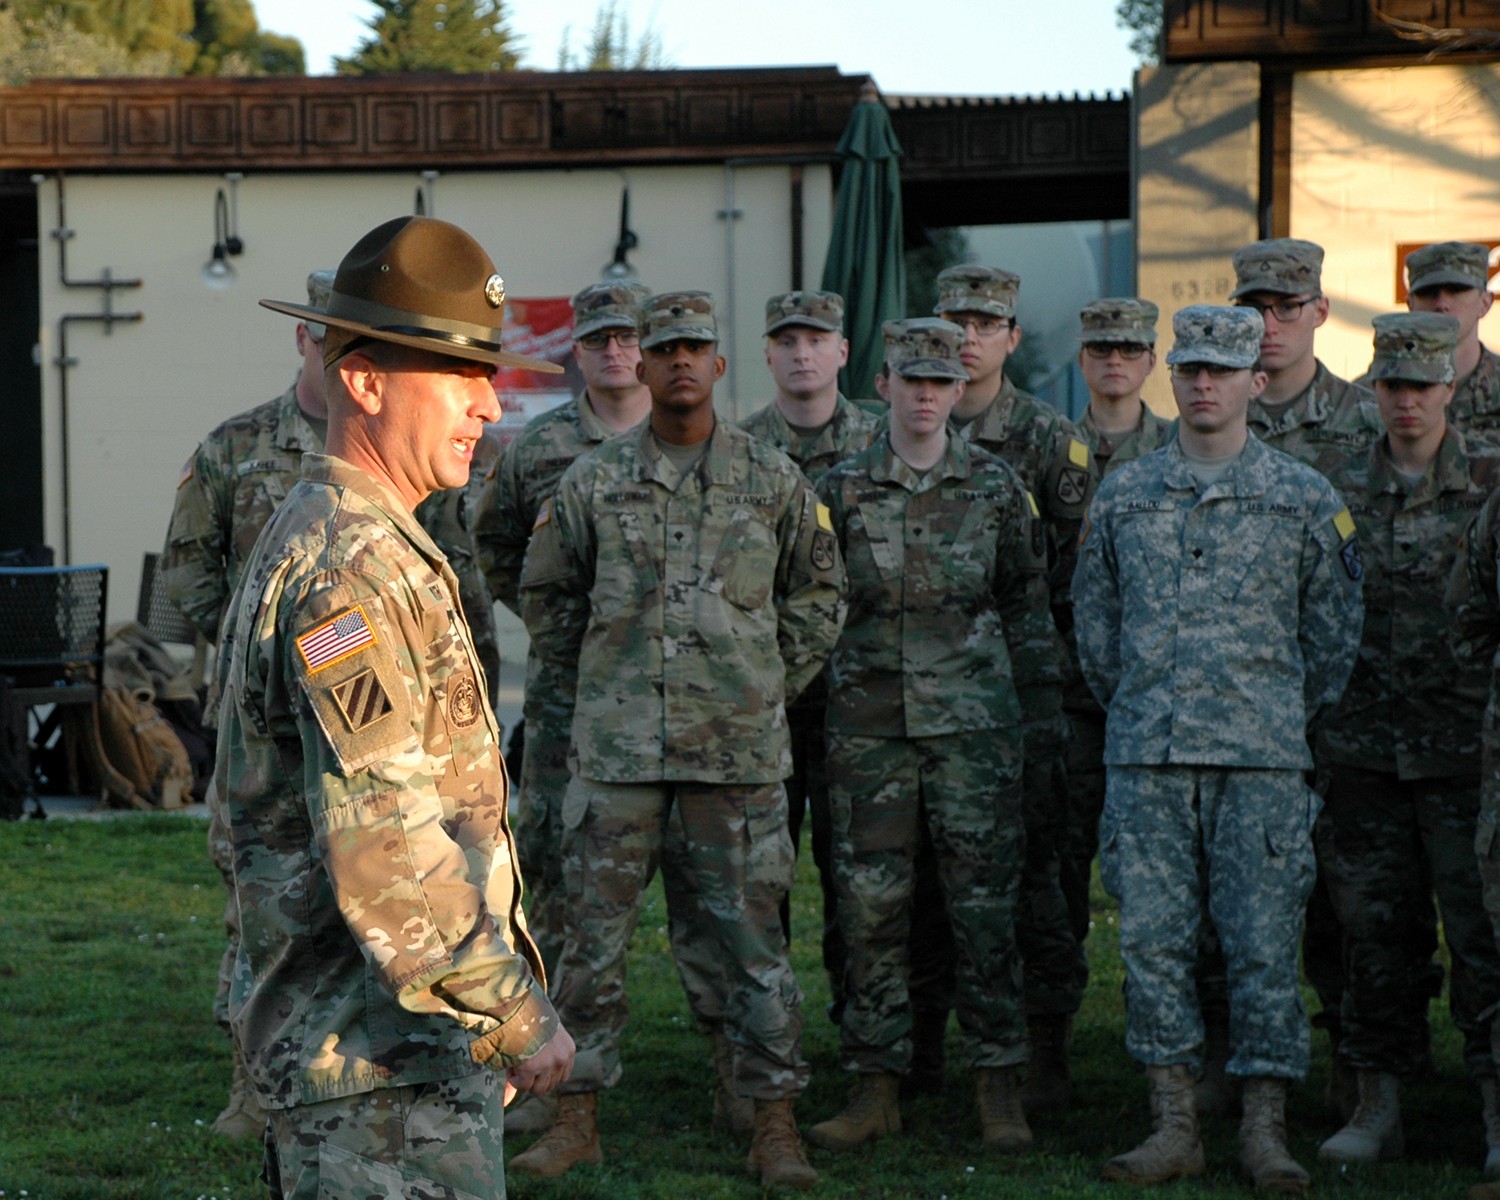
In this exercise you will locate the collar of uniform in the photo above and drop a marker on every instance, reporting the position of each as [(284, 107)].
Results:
[(293, 430), (1250, 475), (827, 436), (716, 465), (591, 426), (991, 424), (335, 471), (1449, 471), (1486, 369), (892, 468)]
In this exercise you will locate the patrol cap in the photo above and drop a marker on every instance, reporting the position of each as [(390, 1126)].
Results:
[(674, 316), (319, 285), (816, 310), (1223, 335), (972, 288), (1420, 347), (609, 305), (1460, 264), (1120, 319), (924, 348), (1286, 266), (418, 281)]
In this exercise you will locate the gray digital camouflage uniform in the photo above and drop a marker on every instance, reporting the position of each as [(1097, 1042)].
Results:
[(949, 634), (1214, 625), (689, 607), (383, 944)]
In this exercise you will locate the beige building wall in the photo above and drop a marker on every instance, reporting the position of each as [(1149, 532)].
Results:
[(1386, 157), (1196, 166), (140, 397)]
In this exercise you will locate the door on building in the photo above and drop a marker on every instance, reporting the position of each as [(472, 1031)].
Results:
[(21, 406)]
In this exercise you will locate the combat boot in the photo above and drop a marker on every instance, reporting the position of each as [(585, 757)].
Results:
[(243, 1116), (530, 1114), (1374, 1131), (573, 1139), (929, 1034), (1217, 1092), (733, 1114), (873, 1110), (1049, 1084), (1173, 1150), (776, 1156), (1000, 1113), (1490, 1090), (1263, 1153)]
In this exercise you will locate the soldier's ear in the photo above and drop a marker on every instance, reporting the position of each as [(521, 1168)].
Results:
[(362, 381)]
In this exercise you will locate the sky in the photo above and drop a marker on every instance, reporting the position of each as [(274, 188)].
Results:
[(978, 47)]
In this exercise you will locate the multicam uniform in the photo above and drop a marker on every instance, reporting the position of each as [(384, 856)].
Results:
[(688, 606), (384, 951), (1475, 408), (1214, 624), (847, 432), (447, 518), (1324, 424), (948, 635), (525, 474), (1402, 753)]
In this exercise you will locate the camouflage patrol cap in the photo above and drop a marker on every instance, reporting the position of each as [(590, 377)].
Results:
[(1460, 264), (1420, 347), (924, 348), (1285, 266), (1121, 319), (610, 305), (1222, 335), (319, 285), (816, 310), (678, 316), (971, 288)]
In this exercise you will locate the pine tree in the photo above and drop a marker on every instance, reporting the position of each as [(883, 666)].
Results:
[(454, 36)]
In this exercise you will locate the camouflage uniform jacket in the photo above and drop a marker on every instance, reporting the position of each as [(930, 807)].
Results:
[(1151, 434), (228, 491), (1214, 627), (1329, 420), (688, 607), (850, 431), (382, 938), (1473, 606), (1475, 409), (948, 625), (525, 474), (1410, 709)]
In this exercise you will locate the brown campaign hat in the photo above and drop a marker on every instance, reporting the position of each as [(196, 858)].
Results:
[(418, 281)]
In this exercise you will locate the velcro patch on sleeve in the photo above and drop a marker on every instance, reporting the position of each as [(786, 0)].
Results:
[(1343, 525), (825, 517), (187, 470), (1031, 504), (335, 640), (362, 700), (543, 514), (1078, 453)]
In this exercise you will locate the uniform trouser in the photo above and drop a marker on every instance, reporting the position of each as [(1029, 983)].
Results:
[(440, 1139), (726, 862), (807, 795), (967, 787), (1081, 840), (1487, 854), (538, 823), (1386, 846), (1238, 840), (221, 851)]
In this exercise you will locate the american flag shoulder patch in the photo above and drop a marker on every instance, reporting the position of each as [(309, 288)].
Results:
[(335, 640)]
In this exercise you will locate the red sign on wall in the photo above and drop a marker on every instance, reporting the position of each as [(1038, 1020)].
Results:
[(1405, 248)]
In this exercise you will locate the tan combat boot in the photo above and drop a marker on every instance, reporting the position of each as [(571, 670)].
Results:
[(573, 1139), (530, 1114), (1263, 1152), (776, 1156), (733, 1114), (873, 1110), (1217, 1092), (1374, 1131), (243, 1116), (1000, 1113), (1173, 1150), (1049, 1084), (1490, 1090)]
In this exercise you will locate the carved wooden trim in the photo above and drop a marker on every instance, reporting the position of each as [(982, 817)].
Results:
[(1331, 31)]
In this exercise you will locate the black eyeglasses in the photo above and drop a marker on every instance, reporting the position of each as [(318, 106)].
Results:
[(1189, 370), (1282, 310), (626, 339), (1130, 351), (984, 326)]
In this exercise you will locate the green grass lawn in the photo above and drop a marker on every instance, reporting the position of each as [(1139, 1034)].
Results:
[(111, 1068)]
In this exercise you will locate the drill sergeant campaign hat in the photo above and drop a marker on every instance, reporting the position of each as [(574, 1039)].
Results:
[(1283, 266), (610, 305), (1418, 347), (1220, 335), (924, 348), (1460, 264), (815, 310), (319, 285), (971, 288), (678, 316), (421, 282), (1123, 320)]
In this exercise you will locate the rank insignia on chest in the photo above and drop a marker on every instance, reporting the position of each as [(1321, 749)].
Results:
[(335, 640)]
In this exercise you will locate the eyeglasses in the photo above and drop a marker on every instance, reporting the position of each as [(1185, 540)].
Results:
[(984, 326), (1282, 310), (1129, 351), (1189, 370), (626, 339)]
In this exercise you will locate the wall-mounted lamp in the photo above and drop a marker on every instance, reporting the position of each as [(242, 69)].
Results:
[(619, 267), (218, 271)]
